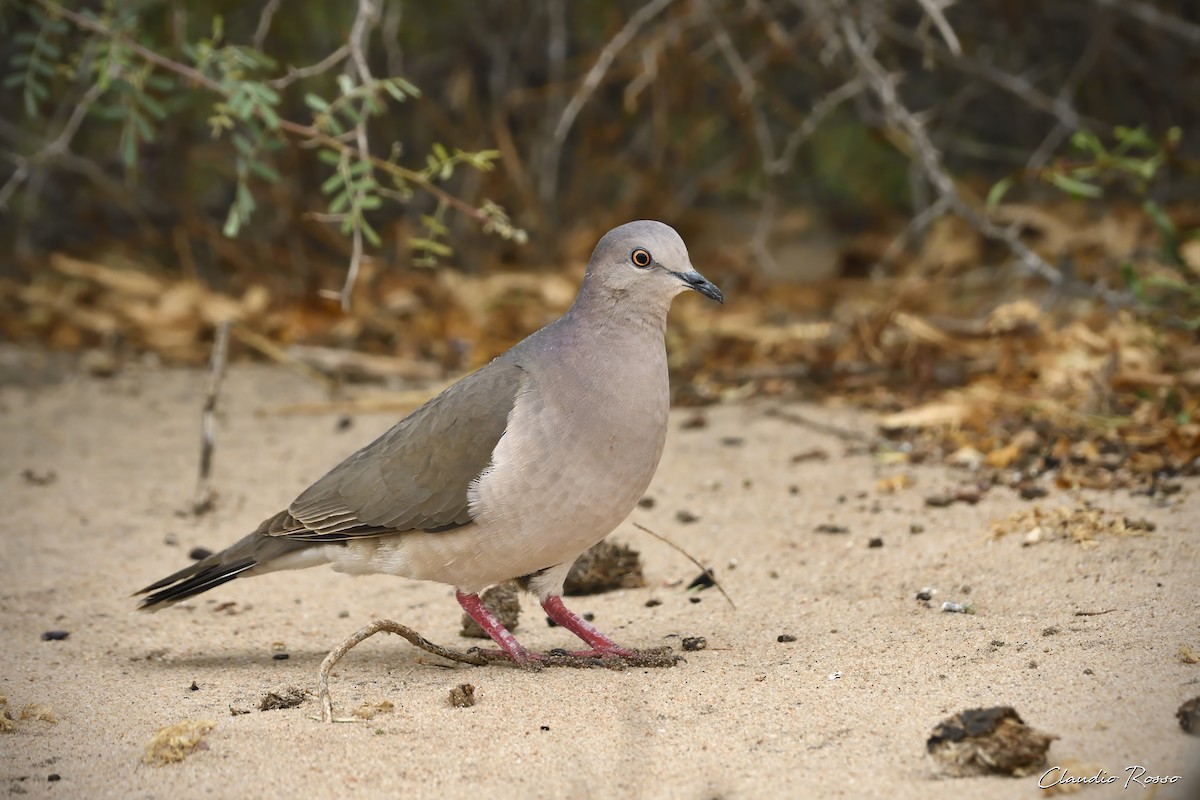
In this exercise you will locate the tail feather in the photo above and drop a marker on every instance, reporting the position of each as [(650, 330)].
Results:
[(218, 568), (191, 581)]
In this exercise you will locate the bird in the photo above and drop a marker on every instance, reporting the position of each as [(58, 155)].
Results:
[(510, 473)]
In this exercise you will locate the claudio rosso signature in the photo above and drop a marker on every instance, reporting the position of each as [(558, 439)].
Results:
[(1134, 775)]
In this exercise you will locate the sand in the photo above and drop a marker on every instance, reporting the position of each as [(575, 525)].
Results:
[(97, 474)]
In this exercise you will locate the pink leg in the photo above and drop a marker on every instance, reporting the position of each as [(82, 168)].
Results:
[(601, 645), (494, 627)]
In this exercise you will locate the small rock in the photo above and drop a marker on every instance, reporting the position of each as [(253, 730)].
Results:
[(39, 478), (285, 698), (875, 541), (605, 567), (281, 656), (686, 517), (199, 553), (646, 502), (1050, 630), (705, 580), (988, 741), (1032, 491), (785, 638), (829, 527), (652, 602), (694, 643), (55, 636), (1189, 716), (463, 696), (916, 528), (926, 594)]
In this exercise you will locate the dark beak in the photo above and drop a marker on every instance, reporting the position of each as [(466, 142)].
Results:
[(694, 280)]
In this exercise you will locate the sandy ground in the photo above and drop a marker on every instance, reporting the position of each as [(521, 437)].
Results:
[(747, 717)]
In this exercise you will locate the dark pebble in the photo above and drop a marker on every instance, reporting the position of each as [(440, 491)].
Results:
[(281, 656), (703, 581), (875, 541), (195, 687), (199, 553), (686, 517), (53, 777), (829, 527), (785, 638), (345, 422), (1032, 491), (545, 727), (652, 602), (55, 636), (694, 643), (695, 599), (925, 594), (646, 502)]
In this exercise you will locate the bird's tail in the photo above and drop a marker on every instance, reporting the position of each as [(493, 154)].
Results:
[(241, 558)]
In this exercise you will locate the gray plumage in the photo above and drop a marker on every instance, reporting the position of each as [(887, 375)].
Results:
[(512, 471)]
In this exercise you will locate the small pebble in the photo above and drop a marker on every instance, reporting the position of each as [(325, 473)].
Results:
[(652, 602), (957, 608), (695, 599), (694, 643), (926, 594), (703, 581), (463, 695), (199, 553), (916, 528), (195, 687), (686, 517), (829, 527), (875, 542), (53, 777), (785, 638), (545, 727), (345, 422), (55, 636), (281, 656), (646, 502)]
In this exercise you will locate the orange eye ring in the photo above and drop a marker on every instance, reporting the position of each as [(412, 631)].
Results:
[(641, 258)]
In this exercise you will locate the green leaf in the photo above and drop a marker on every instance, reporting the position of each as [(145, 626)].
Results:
[(153, 106), (1074, 187), (370, 233), (370, 202), (331, 157), (264, 171), (430, 246), (332, 183), (316, 102), (233, 222)]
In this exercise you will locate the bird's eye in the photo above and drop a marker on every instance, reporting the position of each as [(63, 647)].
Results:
[(641, 258)]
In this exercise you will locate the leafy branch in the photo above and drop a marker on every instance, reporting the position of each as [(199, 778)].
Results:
[(247, 110)]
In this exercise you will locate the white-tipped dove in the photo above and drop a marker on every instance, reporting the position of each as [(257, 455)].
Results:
[(511, 472)]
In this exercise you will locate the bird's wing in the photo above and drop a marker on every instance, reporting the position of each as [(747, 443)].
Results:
[(415, 476)]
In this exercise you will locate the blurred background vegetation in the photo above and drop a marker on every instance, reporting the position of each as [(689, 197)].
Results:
[(321, 172)]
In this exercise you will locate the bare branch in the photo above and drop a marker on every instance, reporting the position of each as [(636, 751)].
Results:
[(264, 23), (1159, 20), (298, 73), (934, 9)]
